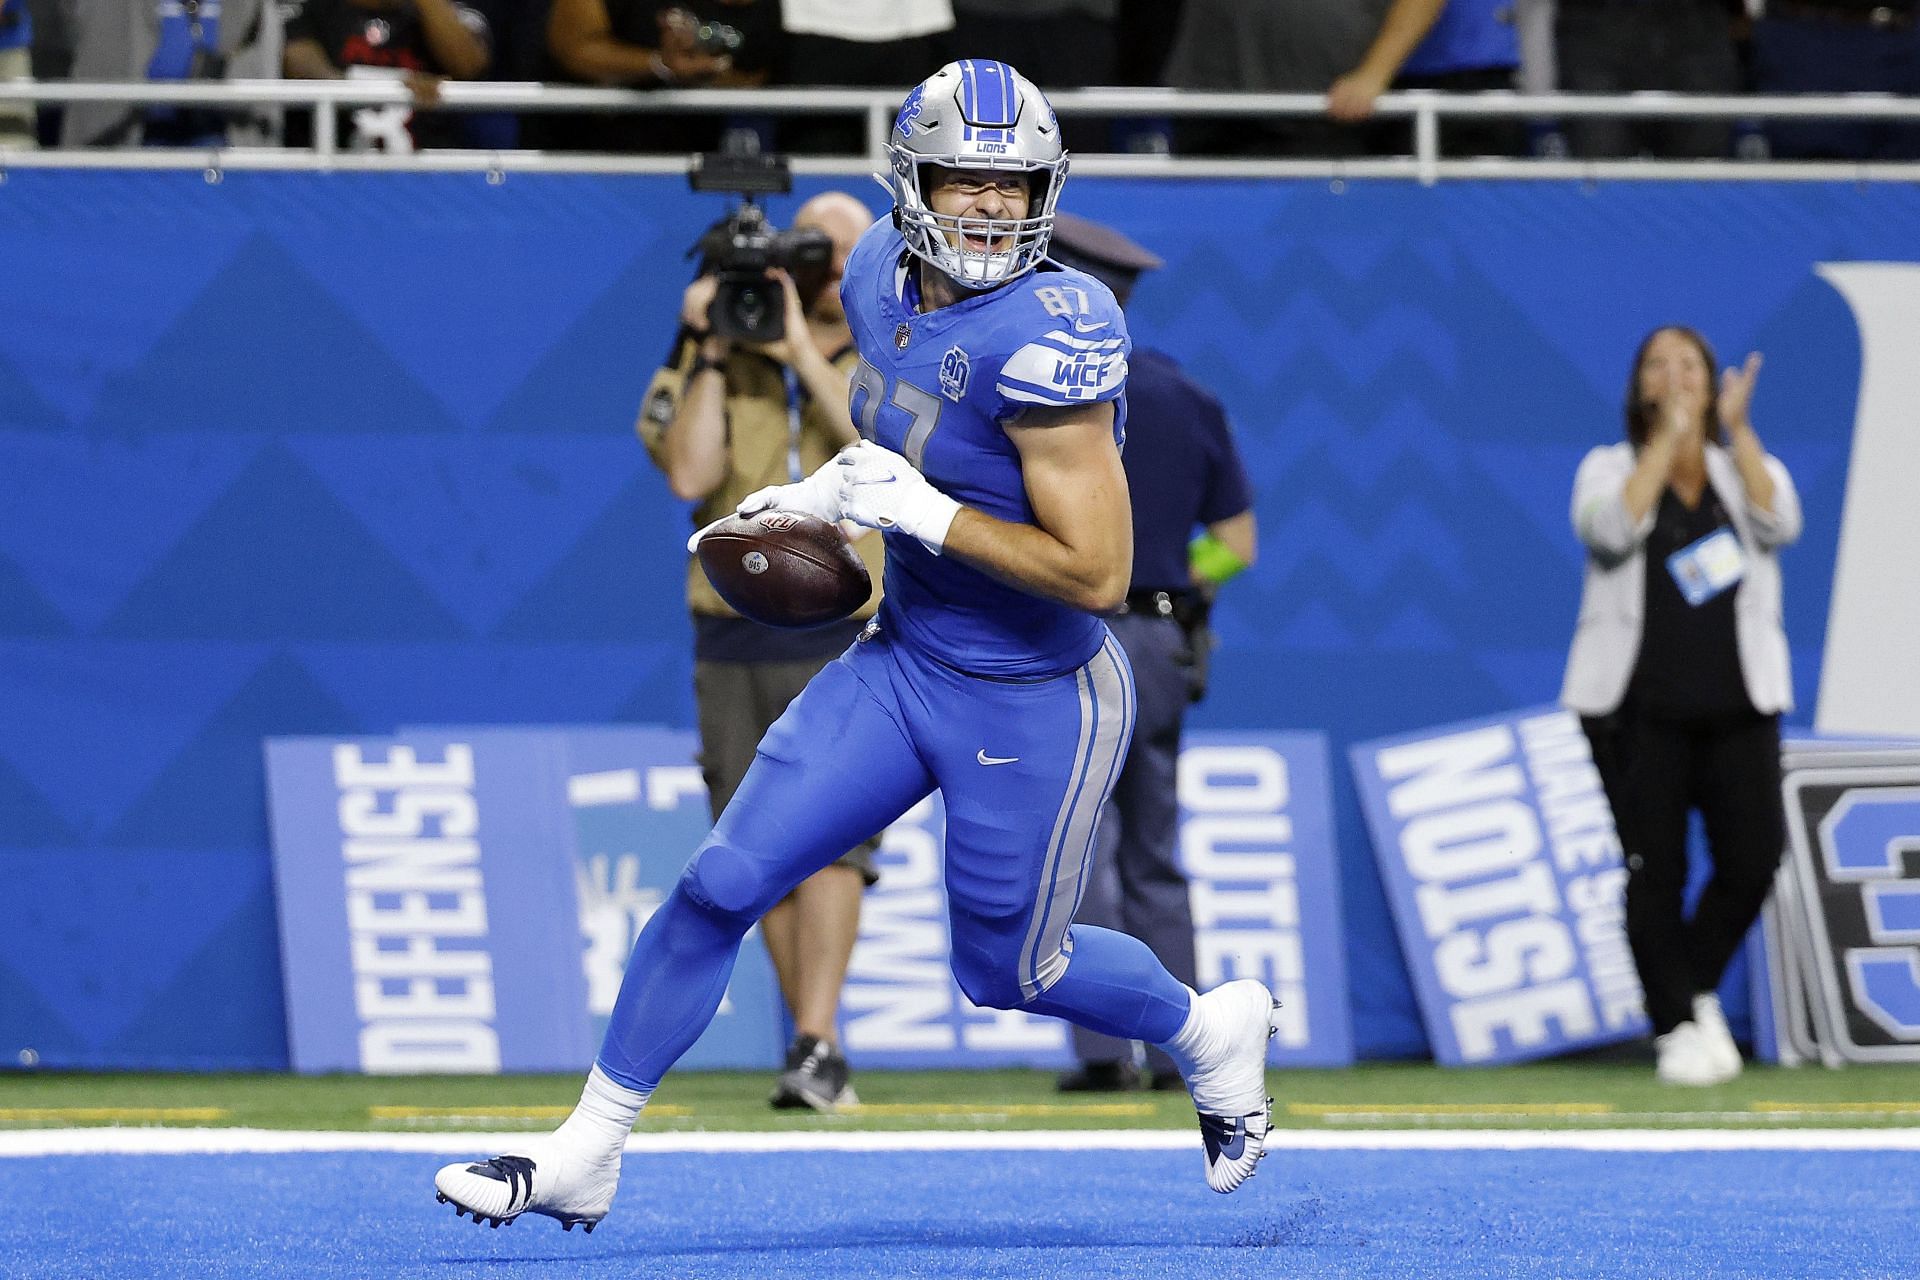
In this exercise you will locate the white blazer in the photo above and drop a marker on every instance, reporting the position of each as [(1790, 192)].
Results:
[(1606, 641)]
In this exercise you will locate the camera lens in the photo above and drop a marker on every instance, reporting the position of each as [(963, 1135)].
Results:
[(751, 308)]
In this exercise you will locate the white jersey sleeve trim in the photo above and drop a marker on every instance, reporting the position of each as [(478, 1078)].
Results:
[(1040, 373)]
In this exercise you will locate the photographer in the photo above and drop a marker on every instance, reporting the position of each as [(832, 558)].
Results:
[(722, 419)]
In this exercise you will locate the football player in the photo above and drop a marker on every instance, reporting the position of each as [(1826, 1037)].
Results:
[(988, 396)]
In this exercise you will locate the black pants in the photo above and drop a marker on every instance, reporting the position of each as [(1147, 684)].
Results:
[(1655, 773)]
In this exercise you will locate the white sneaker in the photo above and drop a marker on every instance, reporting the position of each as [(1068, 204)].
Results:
[(1715, 1035), (549, 1177), (1229, 1082), (1684, 1056)]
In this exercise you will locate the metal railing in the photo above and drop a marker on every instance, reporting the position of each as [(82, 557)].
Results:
[(1424, 112)]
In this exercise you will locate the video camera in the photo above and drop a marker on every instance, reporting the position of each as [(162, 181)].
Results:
[(743, 247)]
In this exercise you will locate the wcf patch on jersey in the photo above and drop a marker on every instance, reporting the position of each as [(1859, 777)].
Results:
[(955, 369)]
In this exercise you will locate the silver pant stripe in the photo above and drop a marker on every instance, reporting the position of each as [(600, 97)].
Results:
[(1106, 723)]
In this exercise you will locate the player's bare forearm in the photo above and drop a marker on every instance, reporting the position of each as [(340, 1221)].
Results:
[(1034, 560), (1079, 550)]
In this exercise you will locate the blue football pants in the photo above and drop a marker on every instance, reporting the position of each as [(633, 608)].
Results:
[(1024, 769)]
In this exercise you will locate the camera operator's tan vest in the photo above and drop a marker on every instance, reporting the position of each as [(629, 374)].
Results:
[(757, 430)]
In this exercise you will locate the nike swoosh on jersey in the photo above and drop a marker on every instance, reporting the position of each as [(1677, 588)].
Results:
[(1090, 328), (984, 758)]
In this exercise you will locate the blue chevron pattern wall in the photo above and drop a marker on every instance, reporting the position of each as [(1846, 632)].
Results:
[(334, 453)]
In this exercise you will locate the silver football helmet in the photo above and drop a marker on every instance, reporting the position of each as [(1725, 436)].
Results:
[(976, 114)]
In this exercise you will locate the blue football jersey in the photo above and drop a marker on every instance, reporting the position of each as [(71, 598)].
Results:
[(937, 387)]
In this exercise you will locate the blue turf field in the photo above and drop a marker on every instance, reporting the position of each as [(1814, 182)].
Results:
[(1070, 1215)]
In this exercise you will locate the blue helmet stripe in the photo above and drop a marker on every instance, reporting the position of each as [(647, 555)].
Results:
[(998, 82), (969, 98)]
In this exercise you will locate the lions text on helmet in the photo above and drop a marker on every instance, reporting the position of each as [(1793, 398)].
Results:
[(977, 168)]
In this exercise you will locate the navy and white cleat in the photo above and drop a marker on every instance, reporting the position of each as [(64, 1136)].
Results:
[(1230, 1093), (545, 1179), (1235, 1146)]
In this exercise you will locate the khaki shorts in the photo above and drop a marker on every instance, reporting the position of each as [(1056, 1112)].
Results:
[(16, 118), (738, 702)]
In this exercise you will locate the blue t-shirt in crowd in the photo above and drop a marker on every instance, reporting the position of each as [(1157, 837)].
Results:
[(1469, 35), (16, 24)]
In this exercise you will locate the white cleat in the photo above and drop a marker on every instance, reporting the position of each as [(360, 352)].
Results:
[(1230, 1093), (1686, 1056), (546, 1178), (1711, 1024)]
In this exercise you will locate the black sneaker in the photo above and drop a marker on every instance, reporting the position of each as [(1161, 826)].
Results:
[(816, 1076), (1100, 1077)]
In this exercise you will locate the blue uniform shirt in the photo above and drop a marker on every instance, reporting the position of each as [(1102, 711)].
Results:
[(1182, 468), (1469, 35), (16, 25), (938, 387)]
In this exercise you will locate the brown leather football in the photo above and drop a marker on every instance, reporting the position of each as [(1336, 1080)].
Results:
[(784, 568)]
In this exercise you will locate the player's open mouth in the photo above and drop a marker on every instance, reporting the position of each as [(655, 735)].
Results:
[(984, 244)]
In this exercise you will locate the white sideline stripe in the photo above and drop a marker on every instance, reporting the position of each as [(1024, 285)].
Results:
[(156, 1141)]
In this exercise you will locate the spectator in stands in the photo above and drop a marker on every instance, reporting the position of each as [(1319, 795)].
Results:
[(1185, 474), (169, 40), (1679, 672), (1456, 46), (720, 44), (1349, 49), (421, 42), (1624, 46), (723, 419), (1839, 46), (52, 57), (16, 42), (883, 44)]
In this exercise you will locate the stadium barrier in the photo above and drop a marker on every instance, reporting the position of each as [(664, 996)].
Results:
[(1425, 112), (459, 900)]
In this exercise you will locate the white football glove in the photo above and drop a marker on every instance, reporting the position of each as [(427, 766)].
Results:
[(881, 490), (817, 495)]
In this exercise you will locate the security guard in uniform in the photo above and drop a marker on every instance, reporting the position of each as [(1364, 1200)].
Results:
[(1185, 474), (723, 419)]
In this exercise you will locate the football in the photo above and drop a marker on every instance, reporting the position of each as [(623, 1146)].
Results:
[(784, 568)]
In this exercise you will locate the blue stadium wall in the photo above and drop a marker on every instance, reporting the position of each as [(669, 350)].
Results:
[(335, 453)]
